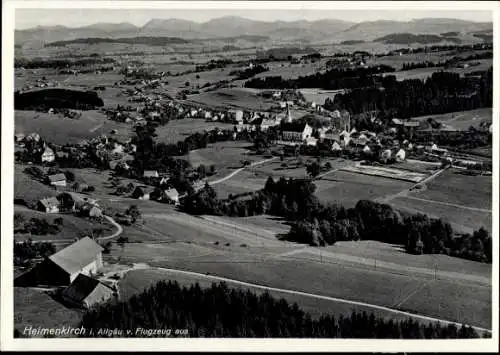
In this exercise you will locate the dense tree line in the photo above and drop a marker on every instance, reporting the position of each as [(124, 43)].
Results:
[(249, 72), (43, 100), (26, 251), (220, 311), (318, 224), (443, 92), (213, 64), (148, 40), (38, 63), (332, 79)]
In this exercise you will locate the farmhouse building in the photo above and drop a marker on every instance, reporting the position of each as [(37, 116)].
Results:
[(85, 291), (172, 196), (151, 174), (48, 205), (57, 179), (62, 268)]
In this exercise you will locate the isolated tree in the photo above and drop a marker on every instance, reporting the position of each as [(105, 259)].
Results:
[(313, 169), (133, 212)]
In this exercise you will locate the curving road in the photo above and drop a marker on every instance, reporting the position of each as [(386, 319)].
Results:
[(115, 234), (328, 298)]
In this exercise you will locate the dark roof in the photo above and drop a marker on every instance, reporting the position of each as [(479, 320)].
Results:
[(76, 256), (82, 287), (293, 126)]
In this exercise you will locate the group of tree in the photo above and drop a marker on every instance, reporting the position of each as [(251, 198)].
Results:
[(443, 92), (39, 63), (43, 100), (26, 251), (249, 72), (333, 79), (317, 224), (36, 226), (220, 311)]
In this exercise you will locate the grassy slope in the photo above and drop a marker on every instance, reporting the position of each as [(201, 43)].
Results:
[(35, 308)]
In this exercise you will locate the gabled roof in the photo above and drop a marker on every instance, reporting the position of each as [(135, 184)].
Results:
[(49, 202), (82, 287), (293, 126), (76, 256), (57, 177)]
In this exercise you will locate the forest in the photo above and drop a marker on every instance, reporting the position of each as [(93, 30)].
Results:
[(333, 79), (318, 225), (57, 98), (443, 92), (220, 311)]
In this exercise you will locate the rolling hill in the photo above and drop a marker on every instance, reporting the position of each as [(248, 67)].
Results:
[(330, 30)]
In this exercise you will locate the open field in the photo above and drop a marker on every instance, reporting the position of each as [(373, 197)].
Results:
[(389, 173), (28, 189), (233, 98), (348, 188), (461, 121), (416, 166), (177, 130), (292, 71), (453, 187), (343, 281), (178, 83), (462, 220), (61, 130), (423, 73), (244, 181), (226, 156), (319, 95), (37, 309), (137, 280)]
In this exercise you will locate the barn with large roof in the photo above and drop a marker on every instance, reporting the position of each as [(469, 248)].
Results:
[(60, 269)]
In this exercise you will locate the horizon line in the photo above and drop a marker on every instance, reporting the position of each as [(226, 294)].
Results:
[(244, 18)]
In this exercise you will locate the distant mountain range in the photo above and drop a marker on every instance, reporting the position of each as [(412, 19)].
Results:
[(307, 31)]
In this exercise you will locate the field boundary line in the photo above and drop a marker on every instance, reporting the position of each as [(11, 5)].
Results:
[(449, 204), (328, 298)]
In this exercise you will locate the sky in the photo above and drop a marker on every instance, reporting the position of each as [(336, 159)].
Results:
[(29, 18)]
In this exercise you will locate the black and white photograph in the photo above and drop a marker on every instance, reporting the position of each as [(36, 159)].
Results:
[(294, 172)]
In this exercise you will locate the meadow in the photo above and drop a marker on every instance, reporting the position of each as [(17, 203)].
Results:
[(63, 130), (178, 130), (232, 98), (348, 188), (462, 220), (453, 187), (461, 121), (37, 309)]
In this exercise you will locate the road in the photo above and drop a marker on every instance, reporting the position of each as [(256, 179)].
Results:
[(317, 296), (115, 234)]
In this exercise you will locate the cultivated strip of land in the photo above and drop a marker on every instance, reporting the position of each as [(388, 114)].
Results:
[(334, 299)]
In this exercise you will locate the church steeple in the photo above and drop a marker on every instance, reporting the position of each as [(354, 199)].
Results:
[(288, 114)]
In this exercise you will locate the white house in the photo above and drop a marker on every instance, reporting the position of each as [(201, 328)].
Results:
[(172, 195), (401, 155), (296, 132), (57, 180), (48, 155)]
